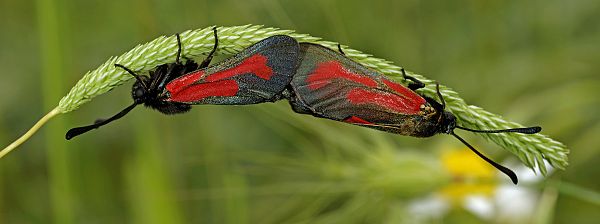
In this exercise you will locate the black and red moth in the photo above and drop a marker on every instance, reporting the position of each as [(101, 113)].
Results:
[(329, 85), (258, 74)]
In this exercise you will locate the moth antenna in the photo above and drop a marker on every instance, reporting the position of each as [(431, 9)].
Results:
[(80, 130), (139, 79), (508, 172), (528, 130)]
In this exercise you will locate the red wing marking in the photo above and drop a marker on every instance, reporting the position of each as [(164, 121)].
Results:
[(406, 92), (356, 120), (389, 101), (330, 70), (186, 88), (256, 64), (177, 84), (197, 92)]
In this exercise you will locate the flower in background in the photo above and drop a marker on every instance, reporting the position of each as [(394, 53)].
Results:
[(479, 189), (470, 175)]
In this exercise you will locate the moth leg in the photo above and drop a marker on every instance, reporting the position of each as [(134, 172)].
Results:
[(207, 60), (340, 49), (189, 65), (441, 98), (136, 76), (178, 49), (415, 84), (167, 72)]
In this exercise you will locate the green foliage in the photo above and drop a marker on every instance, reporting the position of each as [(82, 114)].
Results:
[(533, 62)]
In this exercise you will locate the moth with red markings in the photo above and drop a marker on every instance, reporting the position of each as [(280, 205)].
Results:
[(329, 85), (258, 74)]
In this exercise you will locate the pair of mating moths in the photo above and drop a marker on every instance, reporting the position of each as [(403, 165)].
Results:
[(314, 79)]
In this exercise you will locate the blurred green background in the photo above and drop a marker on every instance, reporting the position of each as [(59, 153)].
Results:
[(535, 62)]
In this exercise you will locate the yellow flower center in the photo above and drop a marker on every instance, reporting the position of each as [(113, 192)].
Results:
[(471, 175)]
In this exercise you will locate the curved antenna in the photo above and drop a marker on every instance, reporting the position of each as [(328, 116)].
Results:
[(528, 130), (139, 79), (508, 172), (80, 130)]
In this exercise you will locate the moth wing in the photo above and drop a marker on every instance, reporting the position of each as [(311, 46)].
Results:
[(328, 84), (257, 74)]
